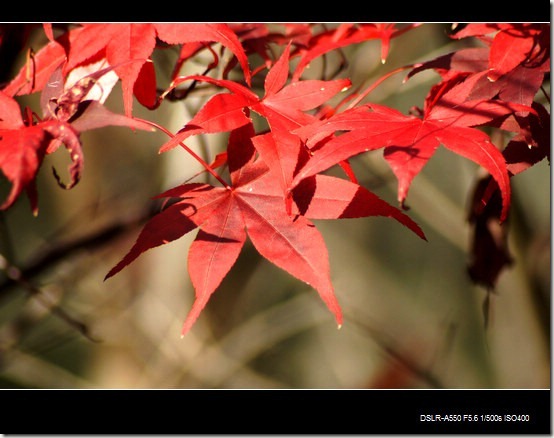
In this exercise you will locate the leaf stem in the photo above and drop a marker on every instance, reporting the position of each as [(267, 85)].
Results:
[(368, 90), (190, 151)]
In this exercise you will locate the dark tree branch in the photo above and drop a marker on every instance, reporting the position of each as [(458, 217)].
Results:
[(65, 250)]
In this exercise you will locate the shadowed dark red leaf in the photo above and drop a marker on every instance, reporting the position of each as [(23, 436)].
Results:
[(520, 155), (205, 32), (529, 147), (471, 60), (489, 241), (519, 86), (344, 35)]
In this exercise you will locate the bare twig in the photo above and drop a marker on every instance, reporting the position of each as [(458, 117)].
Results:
[(389, 349), (14, 273), (63, 250)]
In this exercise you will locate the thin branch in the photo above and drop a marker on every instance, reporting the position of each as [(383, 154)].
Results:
[(413, 367), (66, 249), (175, 94), (545, 94), (190, 151), (368, 90), (14, 273)]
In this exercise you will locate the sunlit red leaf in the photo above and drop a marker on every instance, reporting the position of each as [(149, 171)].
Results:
[(284, 106), (127, 47), (10, 113), (223, 112), (511, 44), (409, 143), (281, 153), (21, 154), (277, 76), (196, 205), (507, 53), (213, 253), (254, 206)]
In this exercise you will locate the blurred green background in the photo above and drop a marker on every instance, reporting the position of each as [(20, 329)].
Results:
[(413, 319)]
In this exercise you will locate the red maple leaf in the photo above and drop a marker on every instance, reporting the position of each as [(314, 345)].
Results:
[(472, 60), (489, 242), (410, 141), (284, 106), (80, 102), (511, 44), (344, 35), (520, 154), (257, 37), (489, 252), (253, 206), (127, 47), (122, 43), (38, 68), (530, 146), (21, 154), (67, 112), (23, 147), (516, 80)]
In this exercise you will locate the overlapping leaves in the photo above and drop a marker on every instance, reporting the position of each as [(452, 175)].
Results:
[(254, 206), (67, 112), (277, 183)]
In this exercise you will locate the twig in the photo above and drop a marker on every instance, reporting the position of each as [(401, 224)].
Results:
[(15, 274), (64, 250), (413, 367)]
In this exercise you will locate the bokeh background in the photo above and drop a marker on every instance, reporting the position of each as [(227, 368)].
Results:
[(413, 319)]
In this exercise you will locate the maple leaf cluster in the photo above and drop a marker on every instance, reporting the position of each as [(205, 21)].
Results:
[(508, 71), (272, 182)]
